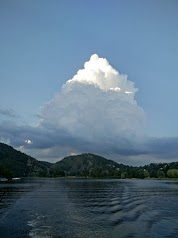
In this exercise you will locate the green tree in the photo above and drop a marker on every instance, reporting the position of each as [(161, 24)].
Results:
[(172, 173), (5, 172), (146, 174), (160, 174), (123, 175)]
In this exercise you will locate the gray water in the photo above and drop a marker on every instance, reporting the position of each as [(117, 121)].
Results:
[(81, 208)]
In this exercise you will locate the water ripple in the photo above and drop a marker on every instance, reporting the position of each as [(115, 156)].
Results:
[(89, 209)]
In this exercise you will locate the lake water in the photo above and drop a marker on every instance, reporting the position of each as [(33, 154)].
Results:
[(86, 208)]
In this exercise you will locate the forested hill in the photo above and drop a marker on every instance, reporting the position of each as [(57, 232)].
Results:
[(88, 165), (14, 163)]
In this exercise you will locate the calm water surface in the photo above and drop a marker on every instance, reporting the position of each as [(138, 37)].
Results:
[(79, 208)]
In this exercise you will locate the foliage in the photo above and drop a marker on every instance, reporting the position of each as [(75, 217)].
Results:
[(172, 173), (160, 174), (14, 163), (5, 172), (123, 175), (87, 165)]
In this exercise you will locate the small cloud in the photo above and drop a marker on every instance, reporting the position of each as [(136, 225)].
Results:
[(28, 141), (127, 92), (73, 153), (7, 112)]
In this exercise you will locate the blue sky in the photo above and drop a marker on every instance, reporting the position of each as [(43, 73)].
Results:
[(44, 43)]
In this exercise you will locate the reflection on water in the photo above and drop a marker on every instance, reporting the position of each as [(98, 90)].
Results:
[(88, 208)]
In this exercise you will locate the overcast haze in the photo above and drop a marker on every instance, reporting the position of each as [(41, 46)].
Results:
[(81, 76)]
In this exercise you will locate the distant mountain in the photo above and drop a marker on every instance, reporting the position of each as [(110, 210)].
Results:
[(87, 165), (14, 163), (90, 165)]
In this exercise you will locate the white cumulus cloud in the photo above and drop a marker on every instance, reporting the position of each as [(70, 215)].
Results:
[(94, 112), (99, 73), (96, 105)]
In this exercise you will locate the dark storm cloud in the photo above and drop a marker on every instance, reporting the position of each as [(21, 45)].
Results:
[(58, 142)]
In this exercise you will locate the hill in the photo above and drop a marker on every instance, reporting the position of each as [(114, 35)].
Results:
[(87, 165), (90, 165), (14, 163)]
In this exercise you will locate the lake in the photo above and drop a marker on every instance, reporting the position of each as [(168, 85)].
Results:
[(88, 208)]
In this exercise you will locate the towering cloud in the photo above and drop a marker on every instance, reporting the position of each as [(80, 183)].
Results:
[(96, 105), (95, 112)]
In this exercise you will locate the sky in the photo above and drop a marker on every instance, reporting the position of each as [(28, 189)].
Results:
[(90, 76)]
